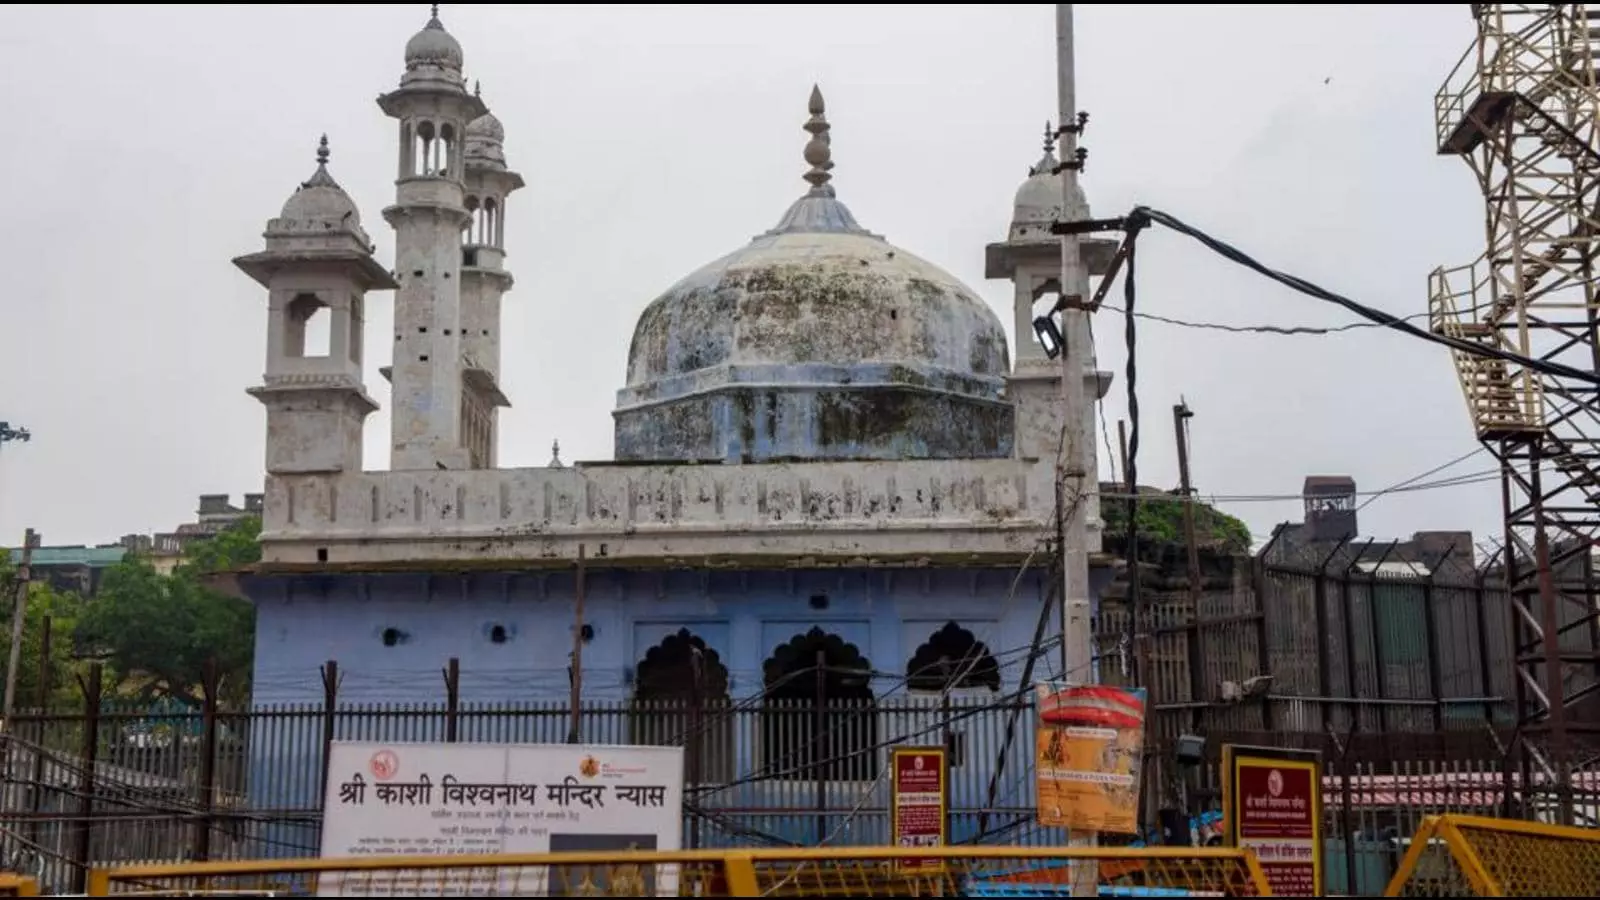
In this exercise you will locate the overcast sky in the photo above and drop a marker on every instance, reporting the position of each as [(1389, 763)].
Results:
[(151, 143)]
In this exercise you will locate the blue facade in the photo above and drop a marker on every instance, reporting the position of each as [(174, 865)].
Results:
[(392, 634)]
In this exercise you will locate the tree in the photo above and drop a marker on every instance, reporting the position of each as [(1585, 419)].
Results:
[(63, 610), (1161, 521), (158, 631)]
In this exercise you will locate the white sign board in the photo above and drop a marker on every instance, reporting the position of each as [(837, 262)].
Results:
[(450, 799)]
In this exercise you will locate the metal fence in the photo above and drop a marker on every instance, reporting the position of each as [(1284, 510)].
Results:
[(122, 786)]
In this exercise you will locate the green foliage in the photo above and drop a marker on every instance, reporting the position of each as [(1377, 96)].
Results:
[(158, 631), (62, 610), (1160, 519)]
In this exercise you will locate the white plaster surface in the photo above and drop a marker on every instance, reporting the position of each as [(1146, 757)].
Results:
[(792, 512)]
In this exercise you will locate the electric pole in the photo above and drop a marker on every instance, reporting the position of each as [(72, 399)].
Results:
[(1181, 414), (1080, 478), (19, 618)]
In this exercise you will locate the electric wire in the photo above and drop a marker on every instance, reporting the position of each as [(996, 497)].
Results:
[(1227, 251), (1285, 330), (1415, 478)]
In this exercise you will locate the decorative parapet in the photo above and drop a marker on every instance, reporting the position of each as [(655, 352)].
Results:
[(780, 513)]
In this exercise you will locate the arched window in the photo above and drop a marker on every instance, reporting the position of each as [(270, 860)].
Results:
[(818, 717), (307, 327), (680, 698), (952, 659)]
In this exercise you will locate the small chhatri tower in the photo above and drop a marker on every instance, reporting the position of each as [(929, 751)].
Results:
[(430, 393), (317, 258), (484, 280)]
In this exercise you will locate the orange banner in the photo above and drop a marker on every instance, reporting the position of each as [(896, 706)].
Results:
[(1090, 747)]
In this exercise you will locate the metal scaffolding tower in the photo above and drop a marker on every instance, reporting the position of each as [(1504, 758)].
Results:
[(1522, 109)]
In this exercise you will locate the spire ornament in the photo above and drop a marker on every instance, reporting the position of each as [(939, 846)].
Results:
[(1047, 163), (819, 150), (321, 178)]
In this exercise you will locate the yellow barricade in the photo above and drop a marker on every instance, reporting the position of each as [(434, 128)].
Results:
[(18, 886), (1476, 856), (808, 872)]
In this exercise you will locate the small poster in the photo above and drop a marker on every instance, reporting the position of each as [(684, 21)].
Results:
[(919, 801), (1088, 756), (1272, 799)]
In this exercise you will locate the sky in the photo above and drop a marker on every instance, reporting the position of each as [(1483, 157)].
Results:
[(153, 142)]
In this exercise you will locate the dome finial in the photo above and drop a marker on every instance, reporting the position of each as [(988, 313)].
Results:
[(819, 150), (322, 151), (1047, 163), (434, 14), (477, 88), (555, 455)]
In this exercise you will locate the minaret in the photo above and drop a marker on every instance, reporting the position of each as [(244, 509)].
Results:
[(433, 107), (317, 263), (1031, 258), (484, 280)]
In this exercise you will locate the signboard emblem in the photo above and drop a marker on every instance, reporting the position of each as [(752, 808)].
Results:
[(385, 765)]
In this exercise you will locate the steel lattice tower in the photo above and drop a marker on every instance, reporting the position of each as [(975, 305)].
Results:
[(1522, 109)]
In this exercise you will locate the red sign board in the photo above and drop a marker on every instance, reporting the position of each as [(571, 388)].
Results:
[(918, 801), (1274, 807)]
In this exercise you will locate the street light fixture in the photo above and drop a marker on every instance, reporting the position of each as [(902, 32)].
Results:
[(9, 434)]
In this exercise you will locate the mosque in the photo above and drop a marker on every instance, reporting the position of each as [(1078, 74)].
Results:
[(830, 476)]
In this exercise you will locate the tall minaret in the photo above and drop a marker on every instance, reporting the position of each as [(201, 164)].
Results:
[(429, 213), (1031, 258), (317, 263), (484, 280)]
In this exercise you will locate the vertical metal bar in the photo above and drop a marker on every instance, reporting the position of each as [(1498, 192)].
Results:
[(330, 701), (1485, 667), (1431, 624), (1319, 588), (82, 853), (36, 793), (1379, 677), (695, 742), (452, 700), (210, 682), (1560, 750), (1350, 639), (818, 730)]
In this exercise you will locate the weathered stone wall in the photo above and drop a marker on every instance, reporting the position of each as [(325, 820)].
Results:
[(885, 421), (895, 513)]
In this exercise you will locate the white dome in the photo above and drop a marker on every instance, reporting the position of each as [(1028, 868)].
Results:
[(485, 142), (320, 198), (817, 340), (486, 127), (1039, 200), (433, 46)]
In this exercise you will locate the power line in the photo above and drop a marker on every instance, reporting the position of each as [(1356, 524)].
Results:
[(1143, 214), (1482, 477), (1415, 478), (1290, 330)]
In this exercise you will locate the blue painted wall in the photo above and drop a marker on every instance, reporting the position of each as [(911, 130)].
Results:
[(305, 621)]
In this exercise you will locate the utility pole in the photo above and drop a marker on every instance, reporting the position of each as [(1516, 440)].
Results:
[(19, 618), (579, 588), (1080, 479), (1181, 414)]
